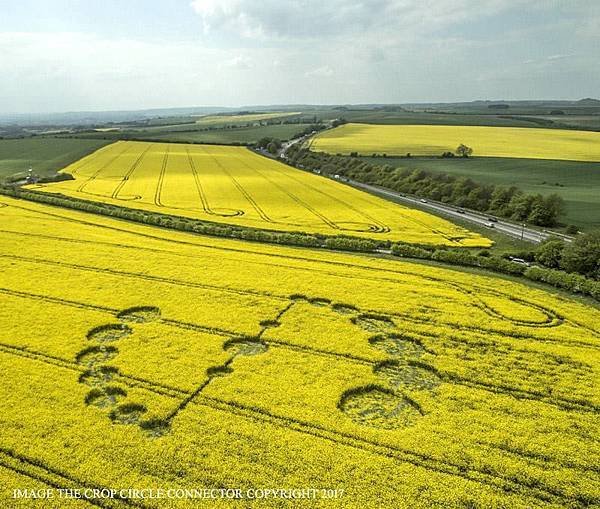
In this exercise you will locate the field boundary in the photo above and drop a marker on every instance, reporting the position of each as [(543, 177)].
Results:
[(572, 283)]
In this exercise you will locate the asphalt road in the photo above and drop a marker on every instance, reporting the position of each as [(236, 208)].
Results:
[(511, 229)]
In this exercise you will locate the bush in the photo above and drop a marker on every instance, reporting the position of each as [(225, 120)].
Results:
[(410, 251), (549, 253), (583, 255), (572, 230)]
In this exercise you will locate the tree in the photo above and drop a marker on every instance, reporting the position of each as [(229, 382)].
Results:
[(520, 206), (549, 253), (500, 199), (464, 151), (583, 255), (272, 148)]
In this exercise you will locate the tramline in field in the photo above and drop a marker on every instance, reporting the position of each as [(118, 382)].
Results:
[(378, 376), (234, 185)]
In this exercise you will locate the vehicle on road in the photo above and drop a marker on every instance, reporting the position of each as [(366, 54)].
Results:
[(519, 260), (489, 225), (423, 200)]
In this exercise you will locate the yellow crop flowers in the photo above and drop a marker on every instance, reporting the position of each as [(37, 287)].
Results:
[(137, 357), (235, 186), (433, 140)]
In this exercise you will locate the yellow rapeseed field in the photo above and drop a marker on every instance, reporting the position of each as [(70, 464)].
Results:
[(249, 117), (433, 140), (134, 357), (234, 185)]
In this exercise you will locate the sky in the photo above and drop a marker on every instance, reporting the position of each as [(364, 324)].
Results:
[(86, 55)]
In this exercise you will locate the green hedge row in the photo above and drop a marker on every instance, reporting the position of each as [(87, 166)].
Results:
[(557, 278), (191, 225), (573, 283)]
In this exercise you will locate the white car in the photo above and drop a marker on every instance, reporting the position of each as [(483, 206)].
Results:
[(489, 225)]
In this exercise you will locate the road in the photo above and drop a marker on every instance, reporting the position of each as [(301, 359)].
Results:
[(511, 229), (514, 230)]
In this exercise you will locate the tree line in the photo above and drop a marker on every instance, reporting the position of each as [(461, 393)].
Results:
[(554, 256), (508, 202)]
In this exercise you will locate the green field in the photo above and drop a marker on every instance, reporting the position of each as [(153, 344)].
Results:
[(44, 155), (578, 182), (193, 134), (237, 135)]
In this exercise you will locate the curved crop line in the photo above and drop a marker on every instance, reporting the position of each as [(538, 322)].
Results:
[(289, 423), (161, 178), (404, 316), (342, 438), (240, 188), (566, 404), (202, 194), (437, 280), (295, 198), (93, 177), (90, 158), (383, 227), (125, 178)]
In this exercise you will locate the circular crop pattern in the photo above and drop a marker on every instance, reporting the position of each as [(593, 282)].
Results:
[(345, 309), (139, 314), (95, 355), (397, 345), (128, 413), (155, 427), (218, 371), (99, 376), (409, 376), (105, 397), (269, 323), (108, 333), (319, 301), (374, 323), (378, 407)]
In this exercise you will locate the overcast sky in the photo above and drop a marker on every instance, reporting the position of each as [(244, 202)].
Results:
[(67, 55)]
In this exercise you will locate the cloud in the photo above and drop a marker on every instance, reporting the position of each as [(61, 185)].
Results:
[(315, 18), (240, 62), (320, 72), (559, 56)]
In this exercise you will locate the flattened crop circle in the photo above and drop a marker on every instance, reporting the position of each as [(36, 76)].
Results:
[(139, 314), (129, 413), (378, 407), (108, 333), (95, 355)]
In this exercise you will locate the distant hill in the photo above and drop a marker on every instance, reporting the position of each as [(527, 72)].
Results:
[(588, 101)]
